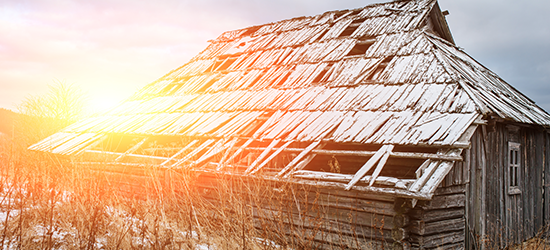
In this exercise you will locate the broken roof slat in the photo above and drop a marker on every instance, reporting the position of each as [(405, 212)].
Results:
[(290, 80), (298, 158), (259, 159), (368, 165), (436, 178)]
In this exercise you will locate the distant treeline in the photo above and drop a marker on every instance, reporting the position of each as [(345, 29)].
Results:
[(7, 121)]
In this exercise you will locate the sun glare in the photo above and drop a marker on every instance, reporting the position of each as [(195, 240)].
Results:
[(103, 103)]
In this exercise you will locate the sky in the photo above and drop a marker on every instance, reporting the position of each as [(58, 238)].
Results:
[(112, 48)]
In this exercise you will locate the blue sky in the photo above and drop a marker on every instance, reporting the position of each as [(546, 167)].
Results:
[(111, 48)]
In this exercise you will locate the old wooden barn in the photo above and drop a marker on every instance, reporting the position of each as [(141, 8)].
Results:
[(375, 107)]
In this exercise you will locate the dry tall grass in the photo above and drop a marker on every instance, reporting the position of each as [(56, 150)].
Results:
[(50, 203)]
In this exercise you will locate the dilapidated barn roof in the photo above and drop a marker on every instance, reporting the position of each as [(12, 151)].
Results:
[(377, 99)]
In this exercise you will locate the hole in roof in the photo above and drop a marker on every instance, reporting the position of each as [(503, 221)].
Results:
[(226, 64), (380, 68), (323, 33), (352, 27), (403, 4), (358, 21), (356, 11), (320, 77), (250, 31), (348, 31), (360, 48), (170, 89), (339, 14)]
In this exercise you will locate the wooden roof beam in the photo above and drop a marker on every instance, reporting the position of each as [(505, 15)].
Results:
[(360, 153), (132, 149), (126, 155)]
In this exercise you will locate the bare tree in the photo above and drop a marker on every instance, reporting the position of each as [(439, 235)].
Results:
[(46, 114)]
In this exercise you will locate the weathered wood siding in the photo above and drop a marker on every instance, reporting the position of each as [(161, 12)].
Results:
[(476, 193), (533, 213), (497, 218), (471, 209), (313, 217), (317, 217), (546, 203), (441, 222)]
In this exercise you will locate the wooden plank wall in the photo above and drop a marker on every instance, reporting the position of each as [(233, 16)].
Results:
[(546, 202), (471, 209), (532, 185), (441, 222), (332, 219), (315, 217), (496, 218), (494, 142), (493, 219), (476, 161)]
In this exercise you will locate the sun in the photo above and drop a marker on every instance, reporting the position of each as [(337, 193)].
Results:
[(102, 103)]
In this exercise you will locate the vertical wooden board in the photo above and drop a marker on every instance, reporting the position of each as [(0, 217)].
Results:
[(528, 155), (546, 212), (495, 143), (540, 168), (493, 185), (533, 183), (481, 192)]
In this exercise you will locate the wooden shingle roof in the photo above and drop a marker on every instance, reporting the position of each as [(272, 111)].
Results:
[(386, 76)]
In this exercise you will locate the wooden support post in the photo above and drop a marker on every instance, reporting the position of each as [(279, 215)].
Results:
[(132, 149), (277, 152), (179, 152), (299, 157), (368, 165), (381, 164), (262, 156)]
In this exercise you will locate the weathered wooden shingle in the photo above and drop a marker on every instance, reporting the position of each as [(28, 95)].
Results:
[(375, 77)]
